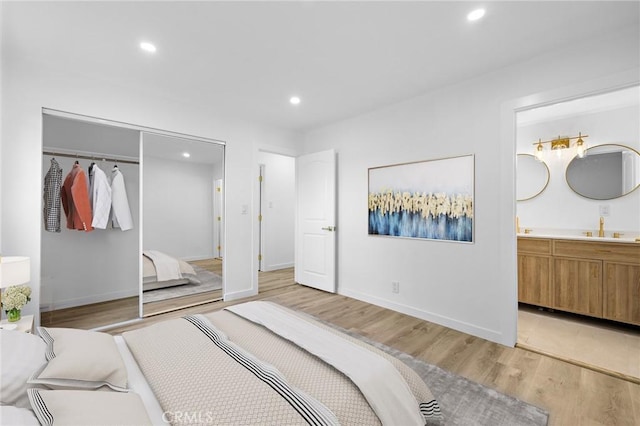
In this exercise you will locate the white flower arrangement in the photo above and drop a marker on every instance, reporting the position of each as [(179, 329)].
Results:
[(15, 297)]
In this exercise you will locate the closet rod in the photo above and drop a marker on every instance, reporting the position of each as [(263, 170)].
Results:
[(89, 157)]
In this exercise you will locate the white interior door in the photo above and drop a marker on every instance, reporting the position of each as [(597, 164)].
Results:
[(315, 254)]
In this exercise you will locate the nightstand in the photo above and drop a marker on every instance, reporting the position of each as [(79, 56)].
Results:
[(25, 324)]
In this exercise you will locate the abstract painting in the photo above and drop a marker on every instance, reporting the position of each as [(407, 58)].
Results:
[(430, 199)]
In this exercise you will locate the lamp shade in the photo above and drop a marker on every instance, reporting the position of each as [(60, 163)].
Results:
[(14, 270)]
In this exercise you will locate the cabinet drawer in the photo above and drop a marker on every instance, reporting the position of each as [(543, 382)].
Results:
[(534, 245), (614, 252)]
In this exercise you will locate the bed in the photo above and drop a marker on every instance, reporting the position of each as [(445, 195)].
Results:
[(160, 270), (252, 363)]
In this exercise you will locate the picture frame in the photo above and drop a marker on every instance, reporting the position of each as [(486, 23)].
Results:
[(430, 199)]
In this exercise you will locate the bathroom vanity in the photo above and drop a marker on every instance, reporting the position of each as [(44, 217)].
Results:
[(598, 277)]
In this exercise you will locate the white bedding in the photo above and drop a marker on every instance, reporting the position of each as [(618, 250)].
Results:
[(138, 384), (167, 267), (378, 380)]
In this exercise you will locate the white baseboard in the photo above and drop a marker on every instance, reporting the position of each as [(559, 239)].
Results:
[(484, 333), (240, 294), (87, 300), (277, 266)]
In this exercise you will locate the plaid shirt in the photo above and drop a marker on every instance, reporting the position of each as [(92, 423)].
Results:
[(52, 184)]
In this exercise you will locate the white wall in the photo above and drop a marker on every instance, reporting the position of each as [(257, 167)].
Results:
[(469, 287), (558, 207), (278, 212), (29, 86), (178, 208)]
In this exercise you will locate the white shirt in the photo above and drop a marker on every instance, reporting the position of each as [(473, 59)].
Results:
[(100, 197), (120, 212)]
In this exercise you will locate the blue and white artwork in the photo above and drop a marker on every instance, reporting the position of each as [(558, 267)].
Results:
[(428, 199)]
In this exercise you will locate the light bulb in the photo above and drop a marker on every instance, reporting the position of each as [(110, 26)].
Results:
[(539, 151), (475, 14), (148, 47), (559, 153), (581, 149)]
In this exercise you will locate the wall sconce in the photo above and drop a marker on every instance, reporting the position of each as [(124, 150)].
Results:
[(562, 143)]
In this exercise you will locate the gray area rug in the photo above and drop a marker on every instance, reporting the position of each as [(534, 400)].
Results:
[(208, 282), (462, 401)]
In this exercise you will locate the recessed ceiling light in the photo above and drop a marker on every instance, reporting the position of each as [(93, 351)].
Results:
[(186, 155), (475, 14), (148, 47), (294, 100)]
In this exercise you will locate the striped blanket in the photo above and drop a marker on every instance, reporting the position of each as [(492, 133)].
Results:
[(224, 369)]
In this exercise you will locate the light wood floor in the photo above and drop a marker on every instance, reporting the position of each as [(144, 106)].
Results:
[(573, 395), (607, 346), (101, 314)]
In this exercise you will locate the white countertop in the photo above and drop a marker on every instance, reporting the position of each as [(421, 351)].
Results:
[(572, 234)]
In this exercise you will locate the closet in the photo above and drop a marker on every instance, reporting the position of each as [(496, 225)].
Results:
[(94, 278)]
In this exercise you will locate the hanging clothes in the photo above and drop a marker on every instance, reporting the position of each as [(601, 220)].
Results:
[(52, 185), (99, 197), (120, 212), (75, 200)]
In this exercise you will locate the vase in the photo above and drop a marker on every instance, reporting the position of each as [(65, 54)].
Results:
[(13, 315)]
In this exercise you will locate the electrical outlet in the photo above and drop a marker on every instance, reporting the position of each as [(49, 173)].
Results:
[(605, 209), (395, 287)]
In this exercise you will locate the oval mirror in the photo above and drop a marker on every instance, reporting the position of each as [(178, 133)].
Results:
[(532, 177), (605, 172)]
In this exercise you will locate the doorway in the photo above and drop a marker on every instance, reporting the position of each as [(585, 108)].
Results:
[(276, 218), (550, 321)]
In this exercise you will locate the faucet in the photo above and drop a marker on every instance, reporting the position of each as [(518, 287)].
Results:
[(601, 231)]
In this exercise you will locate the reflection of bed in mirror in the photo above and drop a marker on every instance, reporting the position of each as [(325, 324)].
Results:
[(151, 280), (165, 277)]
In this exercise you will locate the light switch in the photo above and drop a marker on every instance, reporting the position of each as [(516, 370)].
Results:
[(245, 209)]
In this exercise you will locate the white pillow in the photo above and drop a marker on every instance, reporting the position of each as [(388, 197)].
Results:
[(22, 355), (17, 416), (77, 407), (80, 359)]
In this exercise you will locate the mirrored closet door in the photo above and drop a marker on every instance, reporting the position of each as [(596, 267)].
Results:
[(182, 222), (131, 221)]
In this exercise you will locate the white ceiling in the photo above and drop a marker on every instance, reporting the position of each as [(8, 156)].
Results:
[(343, 59)]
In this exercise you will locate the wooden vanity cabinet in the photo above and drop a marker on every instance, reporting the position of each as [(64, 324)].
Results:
[(534, 271), (599, 279), (622, 292)]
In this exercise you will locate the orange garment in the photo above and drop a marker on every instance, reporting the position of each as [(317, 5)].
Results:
[(75, 200)]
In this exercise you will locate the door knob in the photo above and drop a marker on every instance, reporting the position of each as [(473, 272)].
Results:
[(329, 228)]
